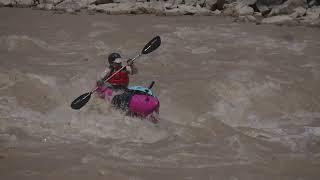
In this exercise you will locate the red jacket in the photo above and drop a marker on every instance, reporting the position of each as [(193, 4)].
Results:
[(121, 78)]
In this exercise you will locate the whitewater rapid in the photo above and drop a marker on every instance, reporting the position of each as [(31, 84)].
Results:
[(237, 101)]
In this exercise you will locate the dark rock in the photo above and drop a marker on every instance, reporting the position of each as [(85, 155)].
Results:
[(215, 4), (97, 2)]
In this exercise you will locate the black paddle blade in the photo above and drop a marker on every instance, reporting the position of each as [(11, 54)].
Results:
[(81, 101), (151, 45)]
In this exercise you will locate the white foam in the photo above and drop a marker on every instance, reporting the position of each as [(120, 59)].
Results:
[(47, 80), (13, 42), (201, 50), (94, 34)]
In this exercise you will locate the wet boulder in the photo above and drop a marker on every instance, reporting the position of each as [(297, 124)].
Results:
[(247, 7), (244, 10), (129, 8), (248, 18), (113, 8), (312, 16), (214, 4), (5, 2), (187, 10), (97, 2), (298, 12), (45, 6), (72, 5), (147, 8), (288, 7), (312, 3), (17, 3), (239, 8), (281, 19), (313, 12)]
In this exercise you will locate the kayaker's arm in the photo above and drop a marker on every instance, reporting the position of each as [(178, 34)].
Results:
[(131, 68)]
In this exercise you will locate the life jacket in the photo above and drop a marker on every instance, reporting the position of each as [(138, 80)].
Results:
[(120, 79)]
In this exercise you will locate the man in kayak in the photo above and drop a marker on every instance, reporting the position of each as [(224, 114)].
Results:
[(119, 80), (120, 94)]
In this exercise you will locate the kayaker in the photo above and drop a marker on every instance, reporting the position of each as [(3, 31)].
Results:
[(121, 79)]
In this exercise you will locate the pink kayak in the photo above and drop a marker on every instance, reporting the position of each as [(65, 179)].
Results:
[(137, 100)]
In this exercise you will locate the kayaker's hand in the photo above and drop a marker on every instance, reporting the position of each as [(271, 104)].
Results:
[(129, 62), (100, 82)]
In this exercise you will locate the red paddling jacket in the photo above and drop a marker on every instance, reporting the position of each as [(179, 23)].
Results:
[(120, 79)]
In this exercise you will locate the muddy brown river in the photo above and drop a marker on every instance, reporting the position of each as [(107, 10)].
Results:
[(238, 101)]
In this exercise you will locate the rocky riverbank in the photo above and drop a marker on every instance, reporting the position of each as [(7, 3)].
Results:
[(281, 12)]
